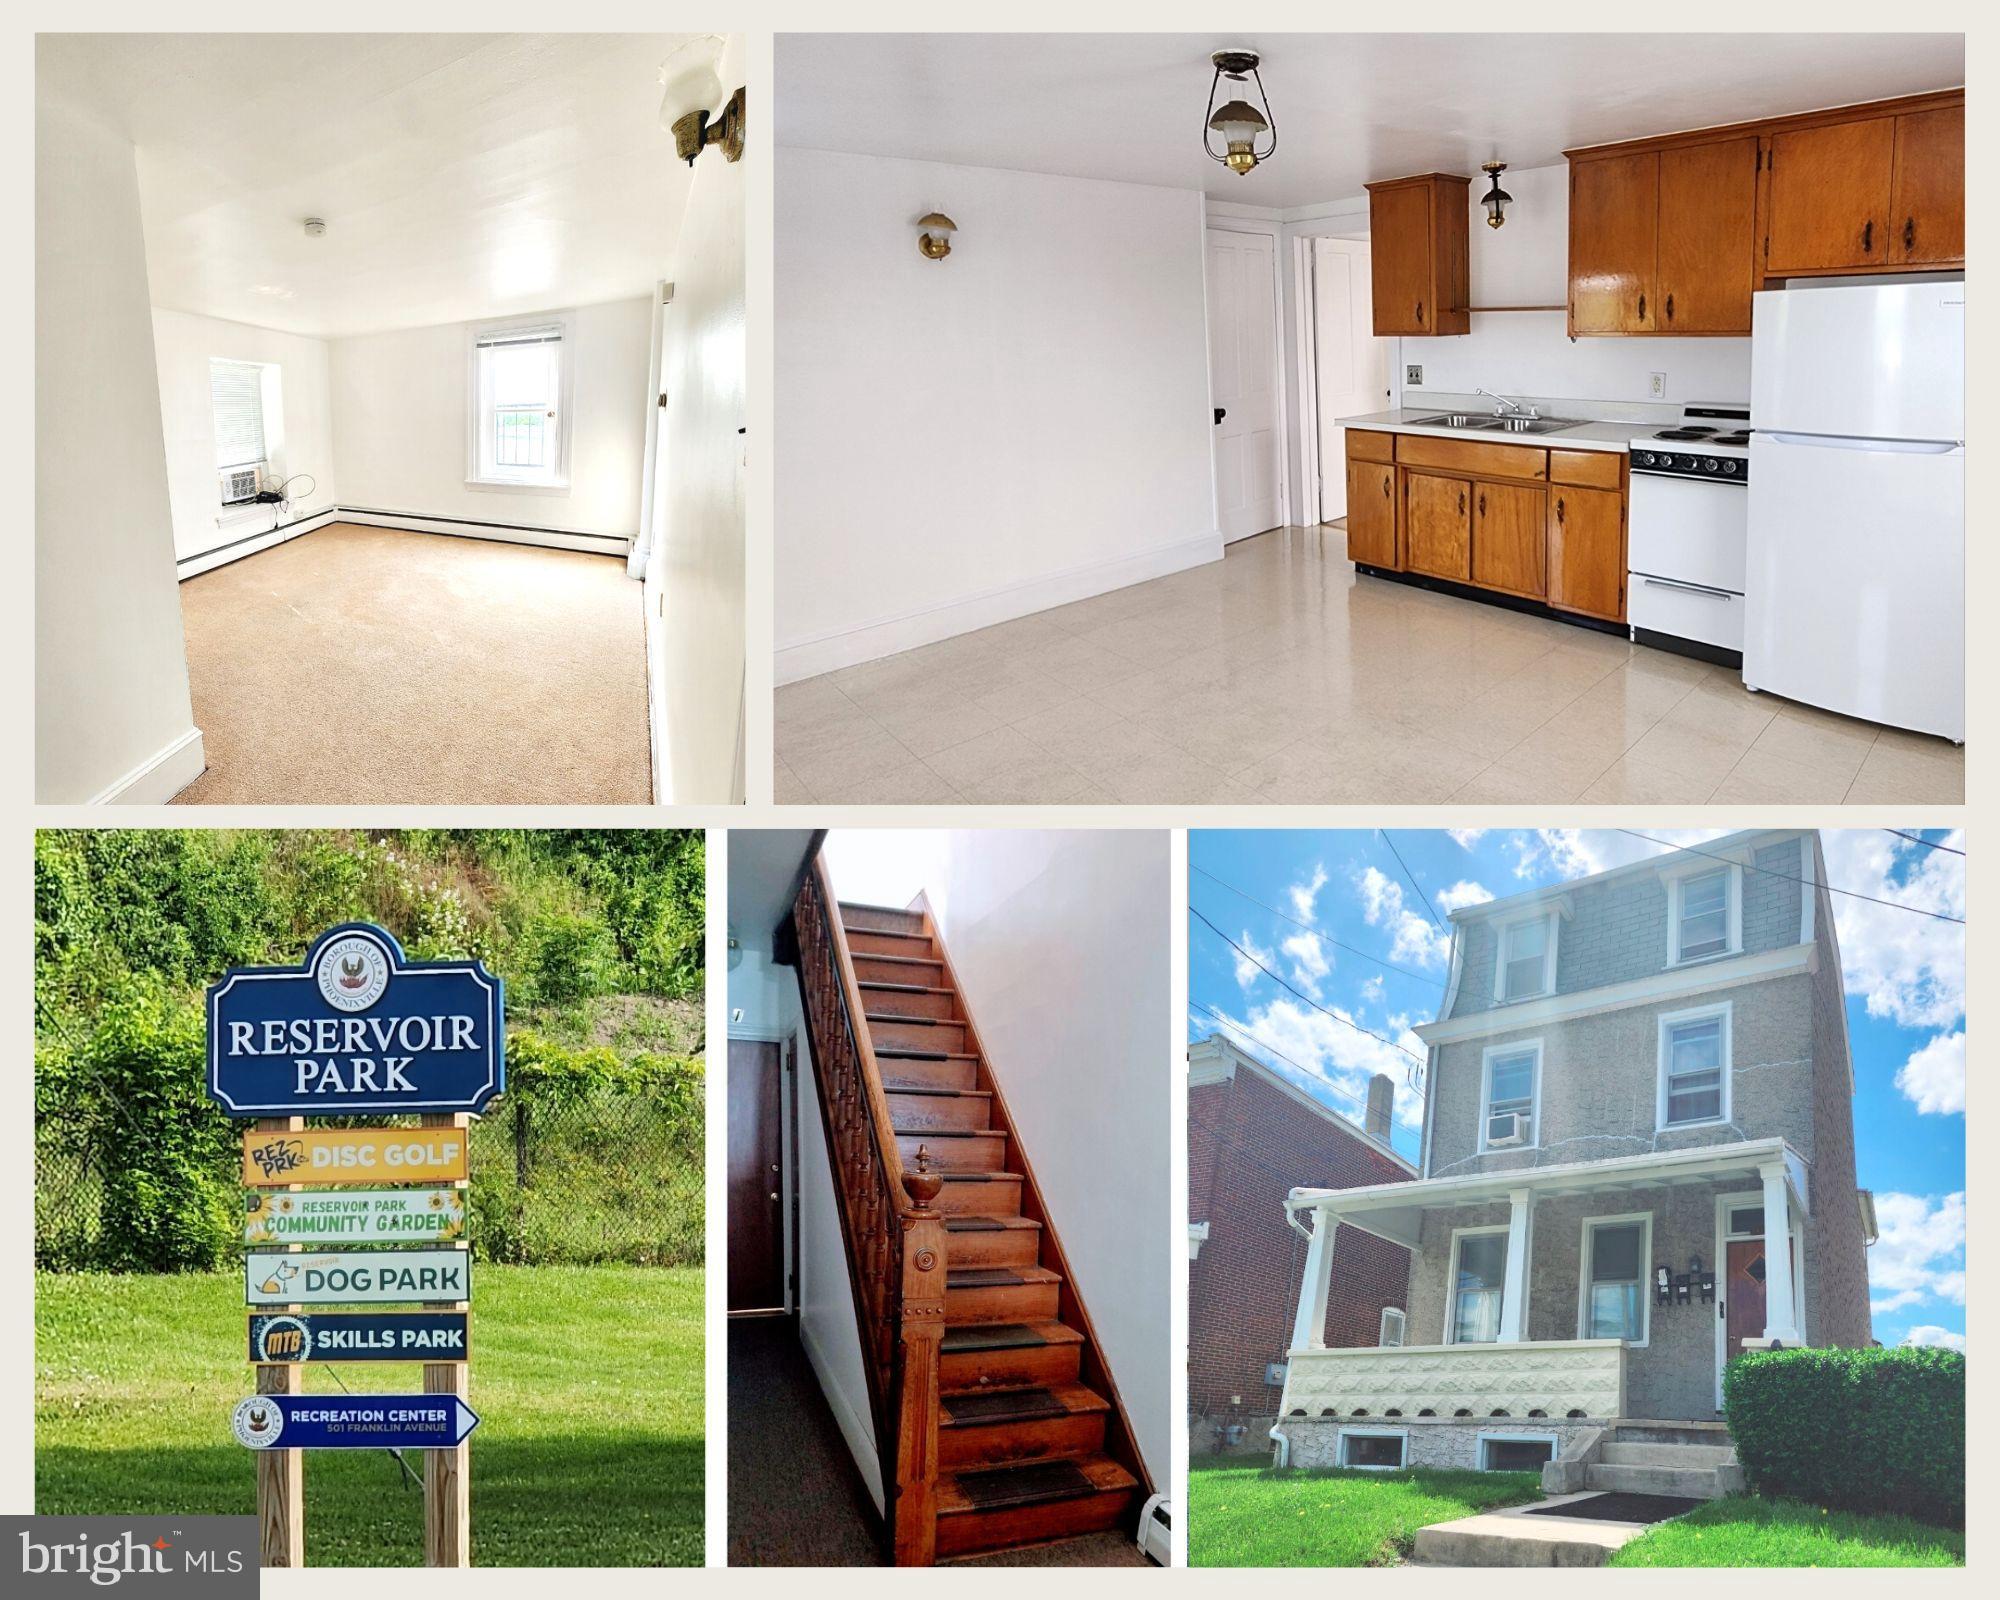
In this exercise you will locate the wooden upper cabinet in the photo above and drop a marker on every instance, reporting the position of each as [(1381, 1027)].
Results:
[(1437, 525), (1927, 195), (1614, 218), (1708, 237), (1828, 206), (1419, 268)]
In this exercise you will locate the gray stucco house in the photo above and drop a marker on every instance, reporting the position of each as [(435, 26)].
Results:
[(1637, 1084)]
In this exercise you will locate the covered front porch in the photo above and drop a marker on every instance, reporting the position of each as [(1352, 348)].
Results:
[(1551, 1297)]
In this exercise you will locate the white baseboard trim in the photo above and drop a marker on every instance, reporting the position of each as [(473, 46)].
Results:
[(828, 652), (597, 544), (250, 544), (854, 1428), (160, 777)]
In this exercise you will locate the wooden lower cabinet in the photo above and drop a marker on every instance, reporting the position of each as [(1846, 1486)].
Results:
[(1586, 546), (1510, 538), (1371, 513), (1437, 526)]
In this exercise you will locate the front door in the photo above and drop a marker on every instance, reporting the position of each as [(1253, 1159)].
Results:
[(756, 1171), (1744, 1304), (1243, 381), (1351, 365)]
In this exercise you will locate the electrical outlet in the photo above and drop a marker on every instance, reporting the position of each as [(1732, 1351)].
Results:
[(1414, 376), (1659, 386)]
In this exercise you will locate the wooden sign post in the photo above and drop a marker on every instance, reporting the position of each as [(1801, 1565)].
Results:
[(281, 1474), (448, 1473)]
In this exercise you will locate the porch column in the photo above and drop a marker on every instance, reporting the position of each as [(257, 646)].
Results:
[(1309, 1327), (1780, 1302), (1514, 1295)]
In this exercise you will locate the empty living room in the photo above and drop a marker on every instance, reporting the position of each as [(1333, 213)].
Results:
[(390, 427)]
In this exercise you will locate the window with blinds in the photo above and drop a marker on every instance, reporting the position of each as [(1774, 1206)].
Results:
[(517, 405), (236, 395)]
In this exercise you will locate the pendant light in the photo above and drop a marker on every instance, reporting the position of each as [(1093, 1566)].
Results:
[(1495, 198), (1240, 123)]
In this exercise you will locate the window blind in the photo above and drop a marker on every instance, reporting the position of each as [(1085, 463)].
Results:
[(236, 392), (504, 337)]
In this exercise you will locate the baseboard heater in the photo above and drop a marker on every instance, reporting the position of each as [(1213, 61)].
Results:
[(608, 544)]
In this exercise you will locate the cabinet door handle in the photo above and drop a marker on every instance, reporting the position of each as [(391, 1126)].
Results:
[(1461, 502), (1482, 502), (1559, 511), (1909, 234), (1386, 494), (1420, 311), (1670, 308), (1868, 236), (1642, 308)]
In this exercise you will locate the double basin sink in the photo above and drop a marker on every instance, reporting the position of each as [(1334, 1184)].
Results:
[(1498, 424)]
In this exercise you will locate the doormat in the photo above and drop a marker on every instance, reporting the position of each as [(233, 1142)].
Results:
[(1621, 1507), (1011, 1405), (1018, 1486)]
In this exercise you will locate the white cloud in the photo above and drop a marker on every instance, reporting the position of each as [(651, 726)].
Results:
[(1567, 853), (1373, 988), (1305, 894), (1247, 971), (1466, 838), (1921, 1254), (1933, 1079), (1928, 1334), (1908, 968), (1412, 937), (1330, 1059), (1310, 962), (1463, 893)]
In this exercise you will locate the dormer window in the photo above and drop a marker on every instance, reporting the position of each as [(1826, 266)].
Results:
[(1704, 913), (1526, 962)]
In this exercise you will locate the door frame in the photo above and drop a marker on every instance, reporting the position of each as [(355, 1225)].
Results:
[(1281, 416), (785, 1042), (1723, 1237)]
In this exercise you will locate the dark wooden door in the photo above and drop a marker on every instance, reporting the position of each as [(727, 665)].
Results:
[(1510, 542), (756, 1177), (1927, 215), (1371, 513), (1708, 237), (1400, 257), (1743, 1296), (1828, 203), (1614, 222), (1587, 551), (1437, 526)]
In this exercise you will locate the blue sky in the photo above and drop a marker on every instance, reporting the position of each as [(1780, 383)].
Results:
[(1334, 916)]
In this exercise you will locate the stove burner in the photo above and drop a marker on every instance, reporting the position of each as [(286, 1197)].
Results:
[(1732, 438), (1684, 433)]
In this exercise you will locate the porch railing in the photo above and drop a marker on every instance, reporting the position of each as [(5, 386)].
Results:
[(1556, 1379)]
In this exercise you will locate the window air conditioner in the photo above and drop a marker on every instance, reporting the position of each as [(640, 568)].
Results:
[(239, 484), (1505, 1128)]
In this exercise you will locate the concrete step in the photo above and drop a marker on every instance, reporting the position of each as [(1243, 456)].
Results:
[(1696, 1483), (1510, 1539), (1696, 1457)]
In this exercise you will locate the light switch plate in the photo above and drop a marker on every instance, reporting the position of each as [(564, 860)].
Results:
[(1413, 375), (1659, 385)]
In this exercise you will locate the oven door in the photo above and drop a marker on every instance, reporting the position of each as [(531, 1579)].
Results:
[(1691, 529)]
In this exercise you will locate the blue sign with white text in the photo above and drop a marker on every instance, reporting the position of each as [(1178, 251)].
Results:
[(355, 1029), (352, 1421)]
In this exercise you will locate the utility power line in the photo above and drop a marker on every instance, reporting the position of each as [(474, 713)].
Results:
[(1354, 950), (1852, 894)]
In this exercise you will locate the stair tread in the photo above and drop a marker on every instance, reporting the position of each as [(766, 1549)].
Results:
[(905, 988), (980, 1177), (901, 1020), (997, 1277), (965, 1337), (1029, 1483), (970, 1223), (933, 1091), (949, 1133), (975, 1408)]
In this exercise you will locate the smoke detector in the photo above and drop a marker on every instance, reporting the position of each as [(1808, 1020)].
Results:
[(315, 227)]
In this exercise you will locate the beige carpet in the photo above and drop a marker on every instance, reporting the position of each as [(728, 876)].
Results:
[(368, 665)]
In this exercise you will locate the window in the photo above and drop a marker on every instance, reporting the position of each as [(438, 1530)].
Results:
[(1526, 960), (1694, 1067), (1513, 1086), (1391, 1336), (1615, 1301), (1478, 1275), (1704, 914), (1503, 1452), (236, 393), (1747, 1220), (1380, 1452), (519, 400)]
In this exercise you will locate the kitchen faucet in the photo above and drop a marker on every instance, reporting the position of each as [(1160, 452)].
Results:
[(1502, 406)]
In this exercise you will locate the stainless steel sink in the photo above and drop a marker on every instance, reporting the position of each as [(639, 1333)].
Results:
[(1493, 424)]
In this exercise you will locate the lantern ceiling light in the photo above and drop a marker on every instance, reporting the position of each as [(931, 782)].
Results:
[(1241, 124), (1496, 199)]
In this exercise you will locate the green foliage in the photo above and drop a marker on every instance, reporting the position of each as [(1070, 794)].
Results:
[(1898, 1417), (569, 958), (1746, 1531)]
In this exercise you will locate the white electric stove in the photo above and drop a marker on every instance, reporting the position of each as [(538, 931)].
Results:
[(1688, 534)]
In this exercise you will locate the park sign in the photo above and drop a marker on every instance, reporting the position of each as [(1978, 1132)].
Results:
[(354, 1156), (353, 1422), (356, 1029), (354, 1216), (355, 1277), (284, 1337)]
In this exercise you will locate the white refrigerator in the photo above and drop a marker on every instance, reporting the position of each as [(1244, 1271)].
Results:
[(1855, 593)]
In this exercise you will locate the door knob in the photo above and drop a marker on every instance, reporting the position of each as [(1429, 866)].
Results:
[(1220, 413)]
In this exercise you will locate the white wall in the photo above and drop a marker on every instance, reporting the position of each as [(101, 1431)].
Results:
[(694, 575), (1059, 939), (1021, 424), (400, 427), (183, 345), (111, 686)]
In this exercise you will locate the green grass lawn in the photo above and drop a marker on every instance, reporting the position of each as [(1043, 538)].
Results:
[(1242, 1514), (587, 1381), (1743, 1531)]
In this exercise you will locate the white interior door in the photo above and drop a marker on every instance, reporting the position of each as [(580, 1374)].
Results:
[(1351, 364), (1243, 381)]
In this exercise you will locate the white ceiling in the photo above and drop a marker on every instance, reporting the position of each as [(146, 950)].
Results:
[(1349, 108), (460, 175)]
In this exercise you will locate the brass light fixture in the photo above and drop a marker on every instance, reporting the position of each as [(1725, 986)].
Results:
[(1495, 198), (1240, 123), (690, 80), (934, 231), (694, 132)]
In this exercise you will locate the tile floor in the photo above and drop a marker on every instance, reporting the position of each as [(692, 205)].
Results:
[(1277, 675)]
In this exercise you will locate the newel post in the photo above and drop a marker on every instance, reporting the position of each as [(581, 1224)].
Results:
[(920, 1334)]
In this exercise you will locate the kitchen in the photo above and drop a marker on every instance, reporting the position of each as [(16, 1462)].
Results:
[(1555, 394)]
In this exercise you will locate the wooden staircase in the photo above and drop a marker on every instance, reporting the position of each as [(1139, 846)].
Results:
[(997, 1419)]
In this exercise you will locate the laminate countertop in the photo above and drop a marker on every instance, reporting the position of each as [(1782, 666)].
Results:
[(1615, 436)]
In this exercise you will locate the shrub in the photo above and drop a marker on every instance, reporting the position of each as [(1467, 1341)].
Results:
[(1862, 1430), (569, 958)]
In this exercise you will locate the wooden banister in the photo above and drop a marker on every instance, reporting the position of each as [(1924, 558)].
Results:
[(871, 1074)]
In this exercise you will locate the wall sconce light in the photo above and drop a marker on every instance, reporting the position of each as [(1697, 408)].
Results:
[(691, 81), (1240, 123), (934, 231), (1496, 198)]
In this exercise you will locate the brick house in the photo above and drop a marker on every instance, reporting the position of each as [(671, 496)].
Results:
[(1639, 1083), (1250, 1132)]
